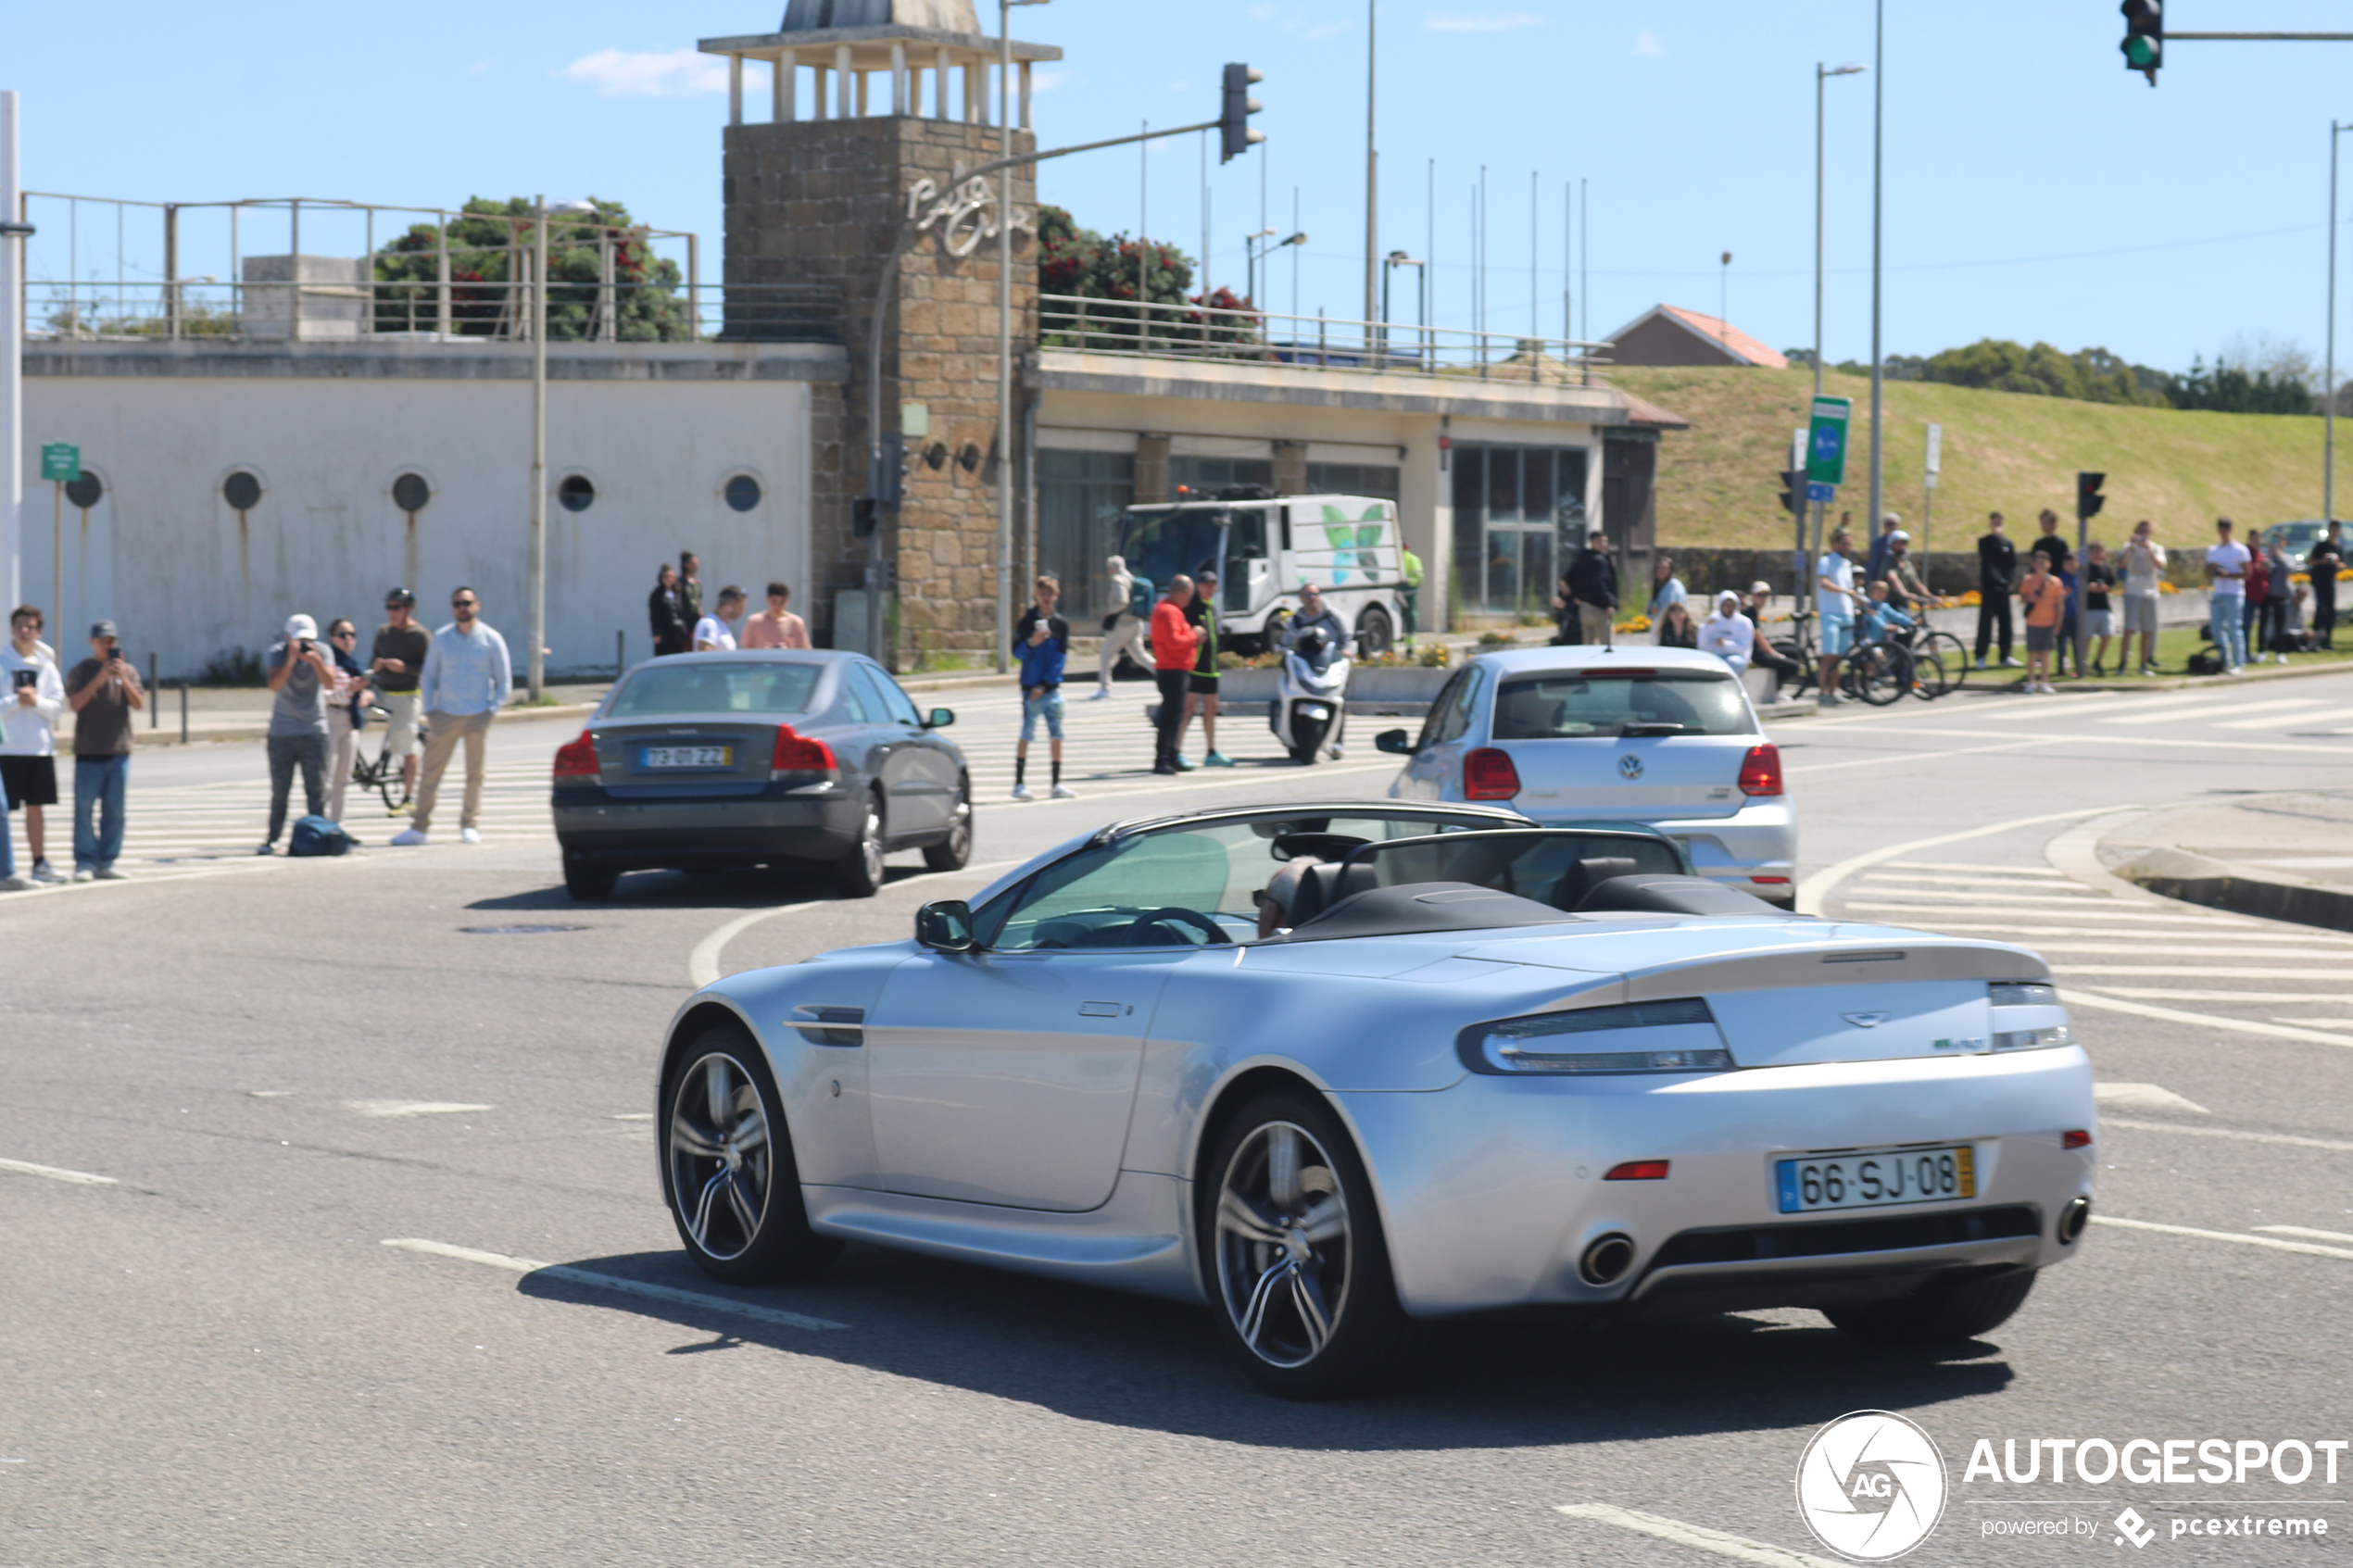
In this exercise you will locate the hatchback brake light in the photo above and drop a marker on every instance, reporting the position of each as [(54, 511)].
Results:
[(797, 753), (1488, 774), (1761, 770), (577, 759), (1638, 1170)]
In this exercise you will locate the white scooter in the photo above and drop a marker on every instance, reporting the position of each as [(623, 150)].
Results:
[(1310, 709)]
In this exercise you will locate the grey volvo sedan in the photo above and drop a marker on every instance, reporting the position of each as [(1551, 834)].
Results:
[(707, 760)]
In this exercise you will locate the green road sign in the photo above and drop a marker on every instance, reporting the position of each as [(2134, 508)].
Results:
[(1825, 440), (61, 460)]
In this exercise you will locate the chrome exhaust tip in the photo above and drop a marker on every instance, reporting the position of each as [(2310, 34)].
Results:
[(2074, 1220), (1606, 1260)]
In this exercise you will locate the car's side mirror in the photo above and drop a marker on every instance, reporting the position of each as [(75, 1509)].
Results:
[(1397, 742), (946, 926), (940, 719)]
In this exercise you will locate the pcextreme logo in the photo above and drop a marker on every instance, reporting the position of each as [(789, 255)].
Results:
[(1871, 1485)]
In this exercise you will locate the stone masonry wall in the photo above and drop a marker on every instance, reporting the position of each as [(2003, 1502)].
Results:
[(817, 202)]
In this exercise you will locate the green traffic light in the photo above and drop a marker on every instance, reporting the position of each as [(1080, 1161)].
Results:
[(2140, 51)]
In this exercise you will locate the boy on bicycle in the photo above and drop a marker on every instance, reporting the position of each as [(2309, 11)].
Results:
[(1877, 618)]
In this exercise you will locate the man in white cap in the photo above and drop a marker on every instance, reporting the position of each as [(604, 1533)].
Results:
[(301, 675)]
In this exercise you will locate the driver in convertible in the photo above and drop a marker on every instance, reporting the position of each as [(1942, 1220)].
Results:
[(1276, 900)]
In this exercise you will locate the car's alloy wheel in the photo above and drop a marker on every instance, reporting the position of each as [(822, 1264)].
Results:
[(1298, 1271), (951, 853), (728, 1171), (860, 872)]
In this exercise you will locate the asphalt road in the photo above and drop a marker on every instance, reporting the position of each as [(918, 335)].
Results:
[(211, 1356)]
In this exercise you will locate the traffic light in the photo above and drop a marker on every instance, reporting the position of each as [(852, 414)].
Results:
[(891, 476), (1794, 492), (1234, 135), (2088, 499), (863, 517), (2144, 43)]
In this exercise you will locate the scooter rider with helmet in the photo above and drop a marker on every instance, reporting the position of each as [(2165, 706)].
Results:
[(1314, 615)]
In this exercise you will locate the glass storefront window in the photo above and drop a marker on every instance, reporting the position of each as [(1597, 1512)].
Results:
[(1519, 514)]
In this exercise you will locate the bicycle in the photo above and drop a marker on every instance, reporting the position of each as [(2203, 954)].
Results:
[(1938, 665), (382, 771), (1879, 672)]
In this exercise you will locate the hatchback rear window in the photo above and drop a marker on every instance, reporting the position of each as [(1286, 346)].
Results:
[(666, 688), (1572, 703)]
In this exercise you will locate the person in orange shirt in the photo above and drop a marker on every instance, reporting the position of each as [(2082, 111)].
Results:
[(1174, 645), (2045, 599), (775, 627)]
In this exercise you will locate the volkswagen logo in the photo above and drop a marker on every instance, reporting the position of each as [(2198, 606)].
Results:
[(1629, 766), (1867, 1020)]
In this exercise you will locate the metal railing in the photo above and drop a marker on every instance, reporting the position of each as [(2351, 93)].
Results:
[(1318, 341), (437, 276)]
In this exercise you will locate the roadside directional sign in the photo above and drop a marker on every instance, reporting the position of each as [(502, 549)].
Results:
[(1825, 493), (1825, 440), (61, 460)]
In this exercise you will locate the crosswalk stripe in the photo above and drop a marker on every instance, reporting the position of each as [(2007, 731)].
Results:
[(2191, 715), (2289, 721), (1968, 866)]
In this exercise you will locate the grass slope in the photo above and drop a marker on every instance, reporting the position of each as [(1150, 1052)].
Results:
[(2003, 451)]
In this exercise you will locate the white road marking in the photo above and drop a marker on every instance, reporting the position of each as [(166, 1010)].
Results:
[(702, 964), (2306, 1232), (411, 1107), (1904, 876), (2196, 972), (56, 1173), (632, 1116), (2240, 1237), (2025, 929), (2076, 997), (2181, 994), (2145, 1096), (1974, 866), (2317, 1023), (2288, 720), (2286, 1140), (2038, 900), (2161, 949), (615, 1283), (1892, 758), (1700, 1536), (1814, 888), (2238, 708)]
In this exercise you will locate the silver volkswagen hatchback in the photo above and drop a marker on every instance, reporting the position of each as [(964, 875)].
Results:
[(759, 757), (1665, 736)]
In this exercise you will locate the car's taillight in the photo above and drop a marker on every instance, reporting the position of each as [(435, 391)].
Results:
[(1638, 1170), (1488, 774), (797, 753), (1761, 770), (577, 759)]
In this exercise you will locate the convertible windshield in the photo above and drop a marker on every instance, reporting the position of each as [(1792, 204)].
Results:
[(1574, 704), (753, 686)]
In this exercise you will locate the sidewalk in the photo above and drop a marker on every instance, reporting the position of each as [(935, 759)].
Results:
[(2283, 856)]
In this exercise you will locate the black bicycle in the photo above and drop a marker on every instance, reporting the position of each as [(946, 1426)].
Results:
[(382, 771)]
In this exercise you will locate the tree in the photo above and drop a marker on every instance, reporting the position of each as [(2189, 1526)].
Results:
[(489, 246), (1080, 263)]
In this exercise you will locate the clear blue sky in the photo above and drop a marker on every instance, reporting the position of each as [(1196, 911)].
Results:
[(2035, 188)]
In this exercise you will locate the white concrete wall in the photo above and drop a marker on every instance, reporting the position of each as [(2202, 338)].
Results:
[(186, 576)]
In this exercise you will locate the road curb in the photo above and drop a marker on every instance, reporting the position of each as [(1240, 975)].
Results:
[(2191, 878)]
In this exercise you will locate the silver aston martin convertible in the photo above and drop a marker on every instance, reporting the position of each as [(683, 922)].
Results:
[(1336, 1070)]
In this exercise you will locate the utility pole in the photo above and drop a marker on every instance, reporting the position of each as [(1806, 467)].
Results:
[(1372, 169), (2328, 377), (1878, 402), (13, 234), (537, 608)]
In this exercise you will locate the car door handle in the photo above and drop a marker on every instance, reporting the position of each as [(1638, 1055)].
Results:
[(1100, 1009)]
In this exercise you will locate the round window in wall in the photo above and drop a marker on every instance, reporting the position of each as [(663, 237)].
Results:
[(87, 491), (743, 493), (577, 492), (242, 490), (411, 492)]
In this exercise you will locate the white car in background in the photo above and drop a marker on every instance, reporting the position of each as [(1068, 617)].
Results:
[(1580, 735)]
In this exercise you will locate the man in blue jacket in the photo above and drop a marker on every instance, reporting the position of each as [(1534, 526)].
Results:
[(467, 678), (1042, 641)]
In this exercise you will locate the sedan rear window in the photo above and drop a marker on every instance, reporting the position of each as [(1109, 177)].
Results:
[(1572, 703), (662, 689)]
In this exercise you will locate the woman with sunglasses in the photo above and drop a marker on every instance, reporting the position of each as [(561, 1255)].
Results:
[(346, 712)]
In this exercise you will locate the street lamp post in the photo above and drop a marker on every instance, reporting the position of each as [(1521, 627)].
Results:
[(1821, 74), (1006, 468), (2328, 376), (1390, 264), (537, 592), (1879, 108), (13, 234)]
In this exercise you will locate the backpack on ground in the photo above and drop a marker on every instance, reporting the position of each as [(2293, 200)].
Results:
[(317, 835), (1139, 597), (2206, 661)]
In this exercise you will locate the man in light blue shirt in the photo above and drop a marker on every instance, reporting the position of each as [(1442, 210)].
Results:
[(465, 682)]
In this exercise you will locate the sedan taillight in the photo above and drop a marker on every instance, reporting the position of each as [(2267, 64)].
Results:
[(797, 753), (1761, 770), (577, 759), (1488, 774)]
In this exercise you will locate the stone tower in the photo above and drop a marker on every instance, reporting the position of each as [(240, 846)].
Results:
[(876, 106)]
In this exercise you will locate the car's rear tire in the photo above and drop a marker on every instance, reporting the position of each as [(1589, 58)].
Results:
[(727, 1169), (859, 875), (587, 881), (952, 853), (1940, 1313), (1292, 1252)]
